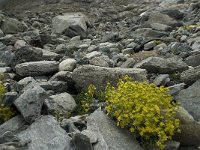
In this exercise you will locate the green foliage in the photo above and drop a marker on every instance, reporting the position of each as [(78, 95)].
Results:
[(5, 112), (60, 116), (85, 98), (144, 109), (157, 42)]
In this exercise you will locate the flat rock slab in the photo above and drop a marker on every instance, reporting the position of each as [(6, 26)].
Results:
[(36, 68), (100, 76), (190, 99), (110, 137), (45, 134)]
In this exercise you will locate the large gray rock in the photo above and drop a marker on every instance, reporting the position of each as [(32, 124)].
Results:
[(191, 75), (45, 134), (190, 129), (190, 99), (161, 65), (63, 103), (30, 102), (193, 60), (36, 68), (99, 76), (67, 65), (27, 54), (72, 24), (110, 137), (157, 17), (13, 125), (11, 26)]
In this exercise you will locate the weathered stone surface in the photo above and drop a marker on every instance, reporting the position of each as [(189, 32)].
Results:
[(30, 102), (11, 26), (191, 75), (67, 65), (190, 99), (193, 60), (108, 133), (36, 68), (63, 103), (81, 142), (13, 125), (72, 24), (190, 129), (161, 65), (45, 134), (99, 76)]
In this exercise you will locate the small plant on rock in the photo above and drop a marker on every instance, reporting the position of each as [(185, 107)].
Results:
[(5, 112), (144, 109)]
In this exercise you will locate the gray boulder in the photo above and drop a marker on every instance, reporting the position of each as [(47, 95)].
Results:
[(161, 65), (109, 135), (71, 24), (99, 76), (190, 99), (191, 75), (81, 142), (190, 129), (27, 54), (11, 26), (30, 102), (67, 65), (193, 60), (36, 68), (45, 134), (63, 103)]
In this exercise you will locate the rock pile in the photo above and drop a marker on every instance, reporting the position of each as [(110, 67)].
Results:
[(48, 57)]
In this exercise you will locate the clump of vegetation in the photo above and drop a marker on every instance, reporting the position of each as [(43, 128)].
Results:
[(144, 109), (85, 99), (5, 112), (60, 115)]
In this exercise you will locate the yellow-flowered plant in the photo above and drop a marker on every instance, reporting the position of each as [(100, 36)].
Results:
[(144, 109), (85, 98), (5, 112)]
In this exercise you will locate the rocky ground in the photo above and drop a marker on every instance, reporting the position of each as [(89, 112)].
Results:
[(50, 50)]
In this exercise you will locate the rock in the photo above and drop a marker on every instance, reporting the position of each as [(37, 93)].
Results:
[(63, 103), (175, 89), (30, 102), (45, 134), (108, 133), (71, 24), (25, 81), (48, 55), (27, 54), (173, 13), (161, 65), (160, 27), (91, 135), (193, 60), (36, 68), (190, 99), (102, 61), (1, 33), (161, 79), (129, 63), (14, 125), (99, 76), (67, 65), (148, 32), (11, 26), (19, 44), (81, 142), (190, 129), (169, 145), (191, 75), (157, 17), (150, 45)]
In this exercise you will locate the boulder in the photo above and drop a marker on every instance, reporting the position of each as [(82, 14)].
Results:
[(71, 24), (191, 75), (30, 102), (67, 65), (11, 26), (109, 135), (45, 134), (190, 99), (162, 65), (36, 68), (99, 76), (63, 103), (190, 129)]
